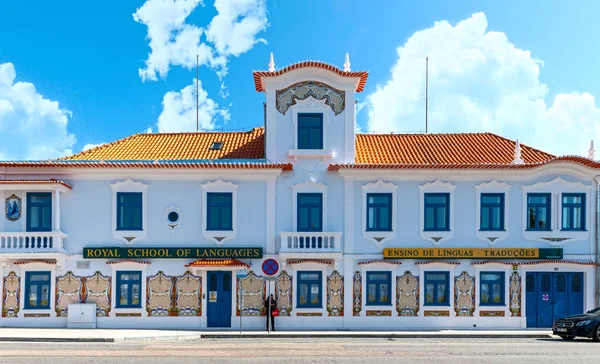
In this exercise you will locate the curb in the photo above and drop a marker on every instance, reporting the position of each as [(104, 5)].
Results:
[(160, 338), (57, 340), (379, 336)]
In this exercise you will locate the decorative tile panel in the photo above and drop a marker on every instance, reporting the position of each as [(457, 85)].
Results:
[(159, 295), (283, 293), (379, 313), (10, 295), (437, 313), (491, 313), (515, 294), (309, 314), (188, 295), (335, 294), (407, 294), (357, 294), (128, 314), (336, 99), (36, 315), (464, 294), (97, 289), (69, 288), (252, 290)]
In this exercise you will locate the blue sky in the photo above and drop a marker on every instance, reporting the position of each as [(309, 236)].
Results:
[(70, 71)]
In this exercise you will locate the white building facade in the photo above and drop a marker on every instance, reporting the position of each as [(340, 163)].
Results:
[(370, 231)]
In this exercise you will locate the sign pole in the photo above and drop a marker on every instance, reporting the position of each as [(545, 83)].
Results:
[(269, 309)]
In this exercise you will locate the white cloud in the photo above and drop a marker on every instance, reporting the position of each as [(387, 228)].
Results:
[(179, 110), (90, 146), (479, 81), (31, 126), (174, 42)]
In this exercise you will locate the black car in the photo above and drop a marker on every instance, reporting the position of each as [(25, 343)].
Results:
[(585, 325)]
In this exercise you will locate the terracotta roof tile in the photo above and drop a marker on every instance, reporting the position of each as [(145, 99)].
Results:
[(379, 261), (33, 261), (363, 75), (179, 147), (127, 261), (35, 182), (218, 263)]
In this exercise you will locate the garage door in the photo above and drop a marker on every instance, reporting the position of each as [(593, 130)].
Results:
[(552, 295)]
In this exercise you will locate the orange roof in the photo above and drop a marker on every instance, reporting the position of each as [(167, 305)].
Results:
[(179, 146), (258, 75), (35, 182), (218, 263)]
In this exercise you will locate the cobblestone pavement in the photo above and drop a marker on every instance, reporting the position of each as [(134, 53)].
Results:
[(290, 351)]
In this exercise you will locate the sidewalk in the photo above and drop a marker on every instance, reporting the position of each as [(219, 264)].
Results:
[(116, 335)]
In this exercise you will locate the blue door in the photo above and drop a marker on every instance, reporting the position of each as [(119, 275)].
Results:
[(219, 299), (552, 295)]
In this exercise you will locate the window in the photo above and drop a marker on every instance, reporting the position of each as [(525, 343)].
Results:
[(378, 288), (37, 290), (437, 211), (492, 288), (573, 211), (129, 288), (310, 131), (309, 289), (538, 211), (219, 211), (129, 211), (39, 211), (492, 211), (310, 211), (379, 212), (216, 145), (436, 288)]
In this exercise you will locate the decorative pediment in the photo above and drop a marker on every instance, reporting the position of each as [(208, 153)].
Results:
[(336, 99), (437, 185), (379, 185), (493, 185), (219, 185), (129, 185), (309, 185)]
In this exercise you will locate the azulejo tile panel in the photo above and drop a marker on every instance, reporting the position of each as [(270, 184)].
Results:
[(335, 294), (407, 294), (379, 313), (309, 314), (464, 294), (128, 314), (491, 313), (437, 313), (10, 295), (515, 294), (283, 293), (36, 315), (187, 298), (251, 288), (336, 99), (159, 294), (69, 288), (357, 293), (97, 289)]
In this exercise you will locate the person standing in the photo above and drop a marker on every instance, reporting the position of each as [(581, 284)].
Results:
[(271, 307)]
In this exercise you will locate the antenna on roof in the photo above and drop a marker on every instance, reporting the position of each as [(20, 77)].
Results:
[(426, 93), (197, 92)]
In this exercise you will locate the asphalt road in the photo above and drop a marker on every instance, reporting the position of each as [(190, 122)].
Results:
[(291, 351)]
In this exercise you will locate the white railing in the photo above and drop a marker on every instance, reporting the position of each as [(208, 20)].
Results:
[(311, 242), (34, 242)]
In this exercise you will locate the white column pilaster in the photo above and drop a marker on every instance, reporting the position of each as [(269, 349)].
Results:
[(271, 192)]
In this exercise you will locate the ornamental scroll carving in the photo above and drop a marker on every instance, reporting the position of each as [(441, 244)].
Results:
[(407, 293), (336, 99), (464, 295)]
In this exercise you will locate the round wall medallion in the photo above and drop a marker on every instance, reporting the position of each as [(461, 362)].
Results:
[(172, 216)]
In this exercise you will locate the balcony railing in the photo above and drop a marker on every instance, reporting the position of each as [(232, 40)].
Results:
[(32, 242), (311, 242)]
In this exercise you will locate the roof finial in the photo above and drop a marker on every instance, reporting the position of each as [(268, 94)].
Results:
[(592, 151), (518, 159), (347, 63), (271, 64)]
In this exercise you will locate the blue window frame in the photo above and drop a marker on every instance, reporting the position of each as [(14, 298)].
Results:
[(492, 211), (129, 288), (436, 288), (437, 212), (538, 211), (309, 289), (379, 212), (309, 211), (39, 211), (37, 290), (491, 289), (378, 288), (573, 211), (129, 211), (219, 214), (310, 131)]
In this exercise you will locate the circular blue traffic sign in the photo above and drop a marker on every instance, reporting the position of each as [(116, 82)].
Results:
[(270, 267)]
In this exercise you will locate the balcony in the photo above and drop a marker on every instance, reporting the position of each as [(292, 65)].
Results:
[(31, 242), (311, 244)]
